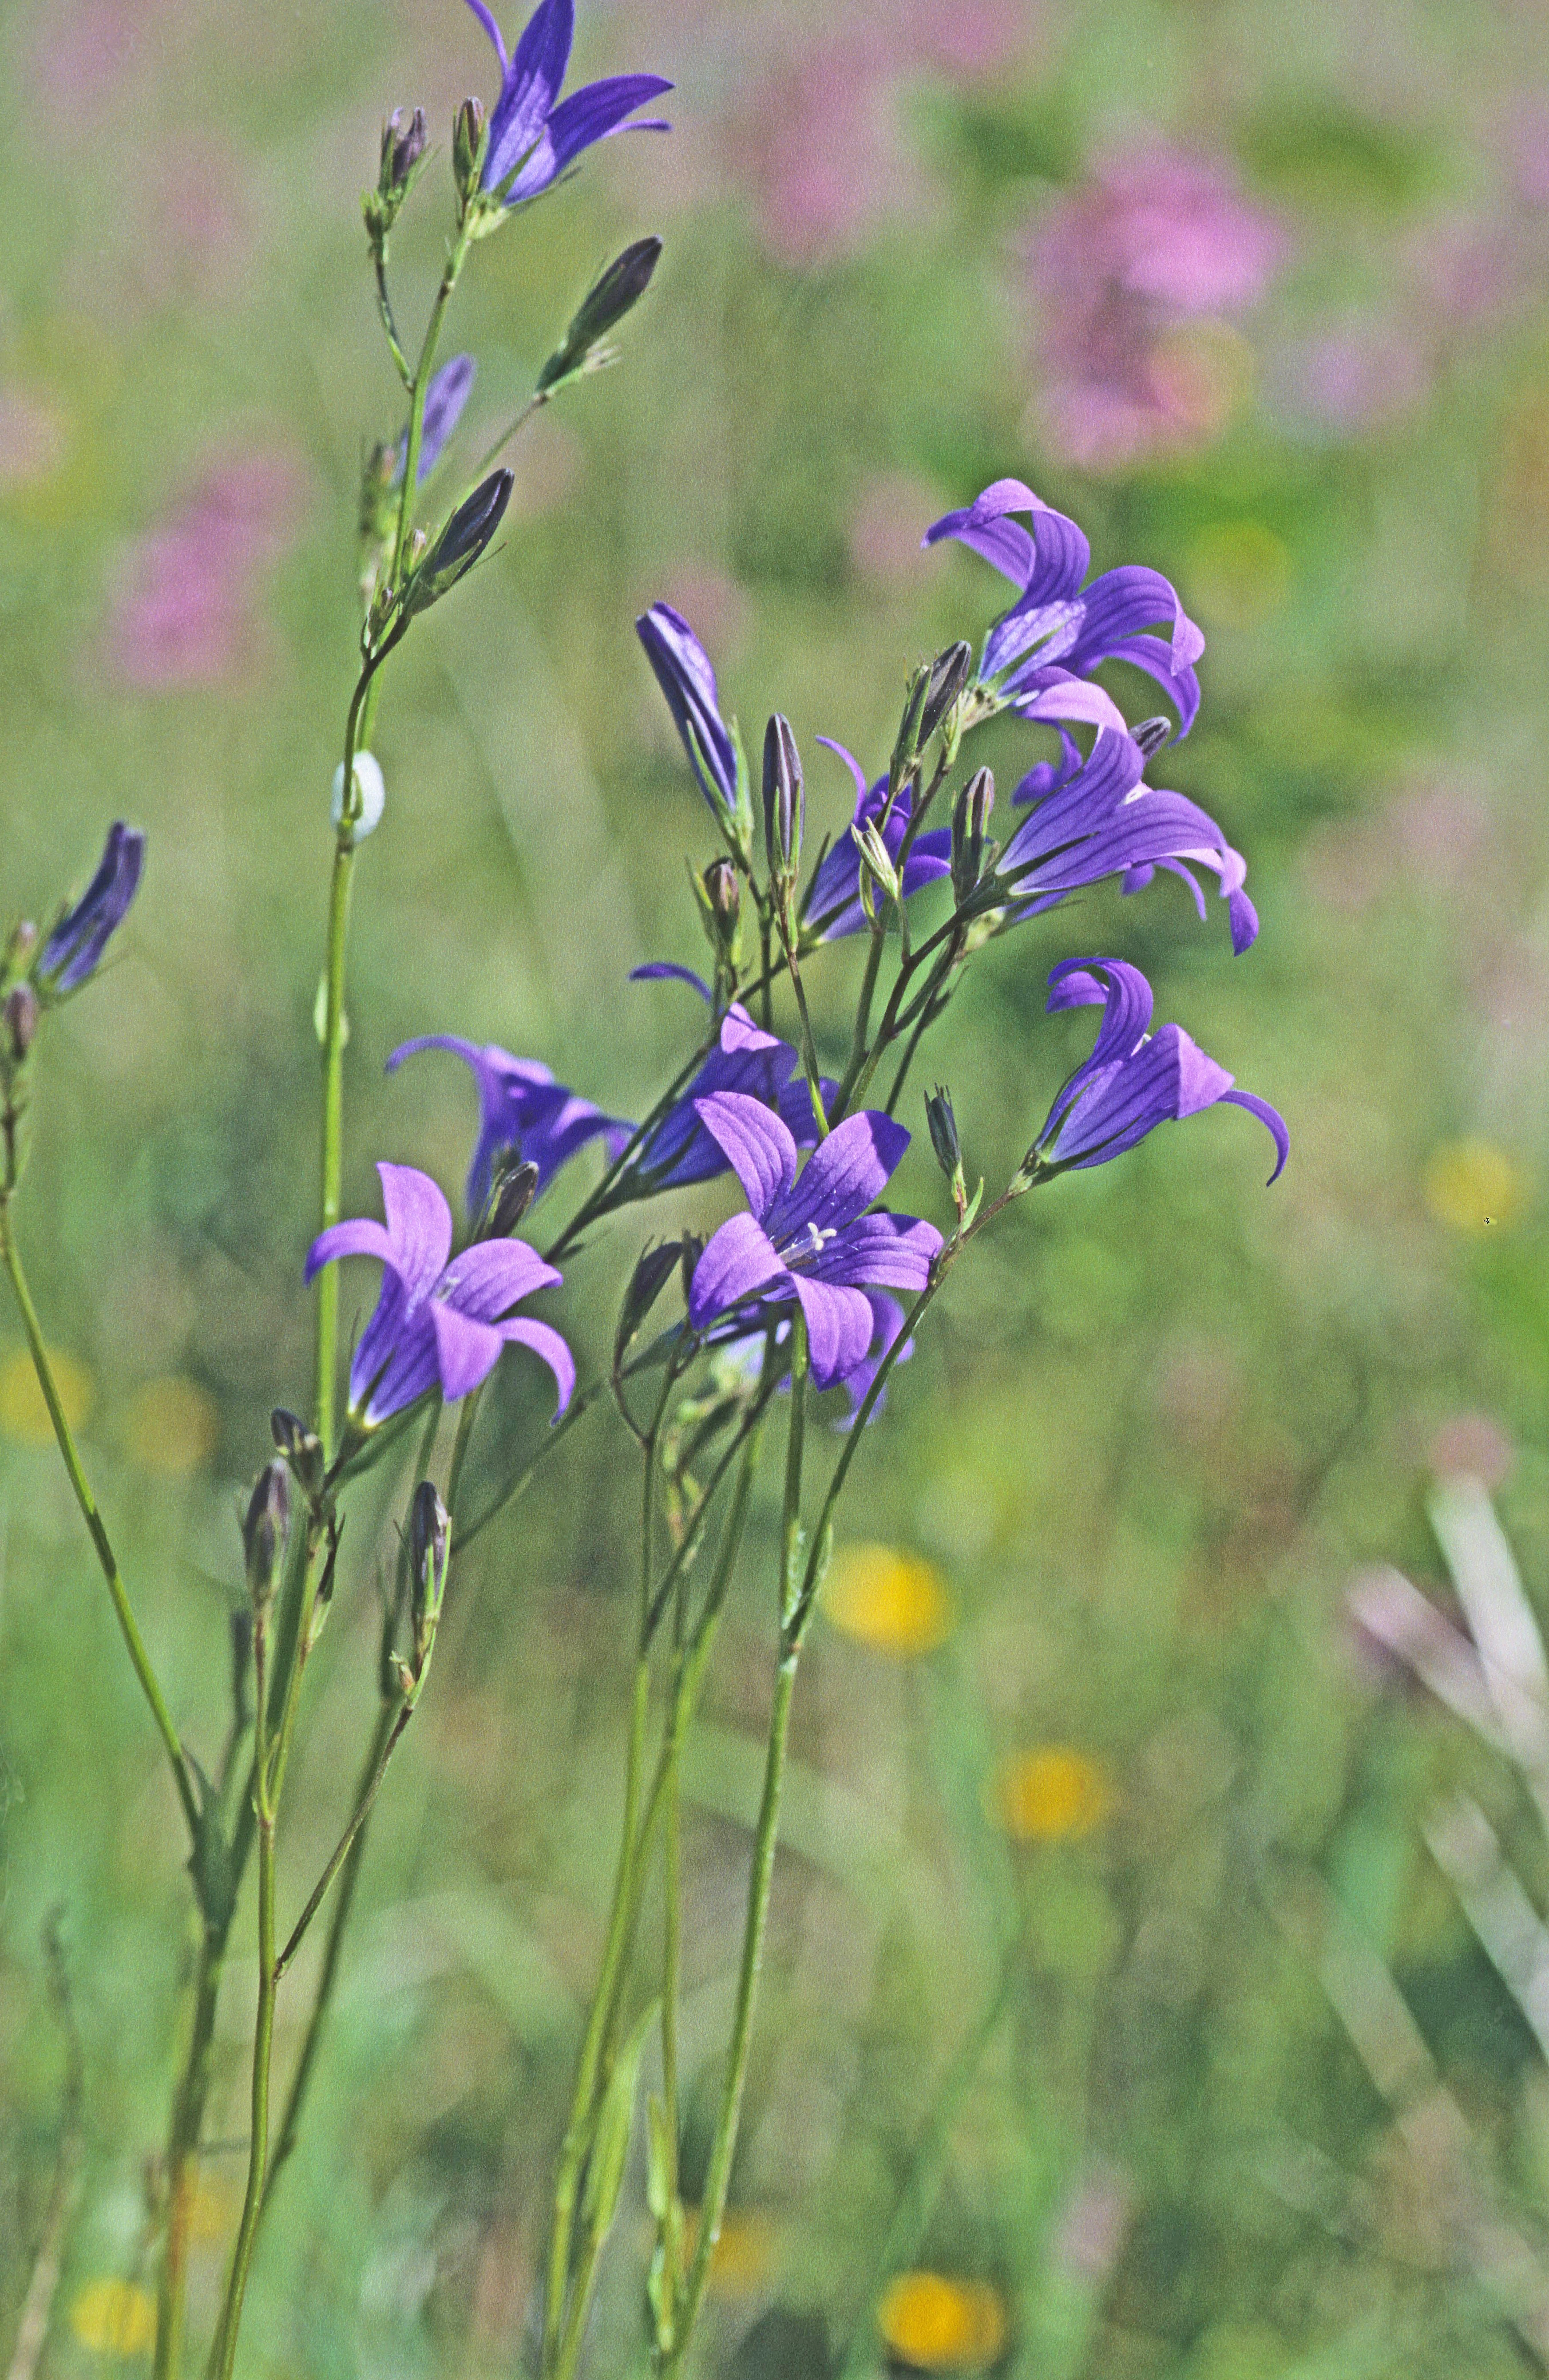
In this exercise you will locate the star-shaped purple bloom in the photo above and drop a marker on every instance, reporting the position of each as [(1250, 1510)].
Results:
[(523, 1109), (531, 137), (1073, 628), (448, 393), (810, 1240), (1095, 818), (1134, 1079), (749, 1060), (436, 1322), (684, 675), (74, 949), (832, 907)]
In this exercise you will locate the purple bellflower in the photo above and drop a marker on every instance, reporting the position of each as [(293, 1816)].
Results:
[(887, 1321), (75, 947), (1134, 1079), (684, 675), (448, 393), (535, 134), (438, 1323), (810, 1240), (1057, 628), (521, 1109), (832, 907), (1095, 818), (758, 1065)]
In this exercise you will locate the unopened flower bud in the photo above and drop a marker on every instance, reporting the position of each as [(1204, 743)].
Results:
[(649, 1279), (719, 894), (906, 748), (1152, 734), (970, 815), (20, 1015), (944, 1130), (301, 1448), (469, 147), (514, 1188), (429, 1538), (949, 675), (783, 801), (876, 866), (402, 145), (73, 950), (614, 293), (460, 544), (263, 1532)]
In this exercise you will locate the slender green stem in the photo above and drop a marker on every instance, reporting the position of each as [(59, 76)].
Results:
[(922, 2183), (223, 2352), (672, 1948), (808, 1046), (766, 972), (384, 308), (589, 2065), (149, 1683), (422, 369), (718, 2177), (513, 429), (341, 1849), (182, 2154), (289, 2125), (728, 2118)]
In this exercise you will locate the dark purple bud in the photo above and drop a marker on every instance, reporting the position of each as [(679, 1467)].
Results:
[(719, 893), (970, 815), (402, 145), (1152, 734), (784, 802), (263, 1531), (944, 1131), (72, 951), (470, 140), (302, 1449), (429, 1536), (512, 1191), (614, 293), (724, 890), (949, 674), (21, 1020), (460, 543), (651, 1275)]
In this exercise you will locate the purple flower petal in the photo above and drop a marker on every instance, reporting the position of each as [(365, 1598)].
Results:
[(445, 399), (881, 1251), (589, 115), (551, 1349), (363, 1238), (521, 1106), (491, 1276), (396, 1361), (493, 29), (1272, 1120), (738, 1262), (466, 1352), (530, 87), (838, 1328), (756, 1143), (844, 1174), (75, 947), (665, 970), (419, 1223)]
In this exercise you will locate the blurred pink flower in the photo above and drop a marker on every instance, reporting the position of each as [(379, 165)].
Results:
[(1154, 241), (884, 525), (1472, 1443), (34, 437), (1353, 376), (187, 609)]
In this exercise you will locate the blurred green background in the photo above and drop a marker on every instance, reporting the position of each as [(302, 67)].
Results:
[(1258, 295)]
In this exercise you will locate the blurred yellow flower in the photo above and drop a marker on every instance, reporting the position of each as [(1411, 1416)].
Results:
[(892, 1601), (114, 2318), (1238, 572), (1472, 1184), (743, 2257), (23, 1414), (939, 2325), (1052, 1791), (171, 1426)]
